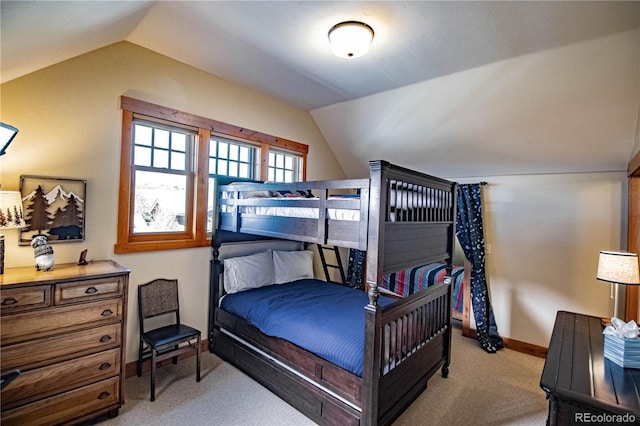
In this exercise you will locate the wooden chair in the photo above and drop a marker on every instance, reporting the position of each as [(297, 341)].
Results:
[(158, 299)]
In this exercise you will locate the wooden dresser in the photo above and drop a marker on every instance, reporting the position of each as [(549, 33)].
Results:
[(582, 386), (65, 331)]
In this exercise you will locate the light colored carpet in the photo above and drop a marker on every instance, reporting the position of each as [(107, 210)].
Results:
[(482, 389)]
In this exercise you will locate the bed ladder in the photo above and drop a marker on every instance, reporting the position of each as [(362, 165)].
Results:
[(338, 265)]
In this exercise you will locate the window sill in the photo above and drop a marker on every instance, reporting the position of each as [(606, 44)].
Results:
[(139, 247)]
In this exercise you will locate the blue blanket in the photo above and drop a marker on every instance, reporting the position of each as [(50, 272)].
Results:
[(324, 318)]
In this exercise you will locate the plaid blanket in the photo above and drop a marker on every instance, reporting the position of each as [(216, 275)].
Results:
[(409, 281)]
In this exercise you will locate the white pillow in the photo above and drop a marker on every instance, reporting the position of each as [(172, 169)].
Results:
[(245, 272), (292, 265)]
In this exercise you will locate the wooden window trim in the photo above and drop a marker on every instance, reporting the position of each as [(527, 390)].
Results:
[(196, 233), (633, 232)]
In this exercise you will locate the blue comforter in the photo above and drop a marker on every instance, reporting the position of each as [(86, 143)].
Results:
[(324, 318)]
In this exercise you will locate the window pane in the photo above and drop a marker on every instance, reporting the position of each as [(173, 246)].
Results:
[(178, 161), (222, 167), (272, 175), (279, 175), (244, 171), (279, 160), (210, 206), (233, 168), (212, 166), (159, 202), (161, 139), (161, 159), (244, 154), (272, 159), (213, 148), (178, 141), (288, 176), (233, 152), (142, 156), (288, 162), (142, 135), (223, 150)]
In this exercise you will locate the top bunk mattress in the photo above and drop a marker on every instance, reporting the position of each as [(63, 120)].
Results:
[(284, 207), (324, 318)]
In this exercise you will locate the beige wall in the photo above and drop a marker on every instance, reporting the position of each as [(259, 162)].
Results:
[(545, 233), (70, 124)]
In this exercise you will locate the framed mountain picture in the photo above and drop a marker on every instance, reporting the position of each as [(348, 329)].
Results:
[(54, 207)]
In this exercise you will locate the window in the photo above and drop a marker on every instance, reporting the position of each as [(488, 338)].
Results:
[(283, 167), (161, 170), (168, 165), (230, 158)]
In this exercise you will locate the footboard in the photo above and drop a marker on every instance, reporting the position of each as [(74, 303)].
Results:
[(406, 344)]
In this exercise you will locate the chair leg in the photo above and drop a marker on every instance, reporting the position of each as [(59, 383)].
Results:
[(153, 374), (139, 363), (175, 358), (198, 360)]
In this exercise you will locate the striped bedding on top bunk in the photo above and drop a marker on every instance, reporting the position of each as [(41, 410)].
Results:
[(409, 281)]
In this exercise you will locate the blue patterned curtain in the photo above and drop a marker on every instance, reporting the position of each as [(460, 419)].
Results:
[(470, 234), (355, 271)]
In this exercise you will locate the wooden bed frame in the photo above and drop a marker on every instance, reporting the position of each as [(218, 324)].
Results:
[(405, 342)]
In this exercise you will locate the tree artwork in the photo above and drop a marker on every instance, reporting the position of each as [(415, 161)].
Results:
[(11, 217), (38, 218), (17, 216), (54, 208), (67, 221)]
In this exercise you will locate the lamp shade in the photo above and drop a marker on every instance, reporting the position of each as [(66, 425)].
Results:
[(618, 267), (7, 133), (11, 215), (350, 39)]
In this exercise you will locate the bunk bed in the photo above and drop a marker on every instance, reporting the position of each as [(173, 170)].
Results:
[(402, 218)]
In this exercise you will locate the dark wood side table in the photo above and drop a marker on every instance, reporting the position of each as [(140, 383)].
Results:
[(581, 385)]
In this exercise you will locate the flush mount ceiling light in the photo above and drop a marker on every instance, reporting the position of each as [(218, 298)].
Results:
[(350, 39)]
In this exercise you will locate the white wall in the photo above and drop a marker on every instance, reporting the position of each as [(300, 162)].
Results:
[(545, 233), (70, 126)]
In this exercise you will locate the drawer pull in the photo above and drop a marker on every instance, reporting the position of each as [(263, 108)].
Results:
[(104, 395), (91, 290), (105, 338), (9, 301), (107, 312), (105, 366)]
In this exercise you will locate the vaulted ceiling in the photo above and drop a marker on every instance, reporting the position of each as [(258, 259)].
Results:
[(452, 88)]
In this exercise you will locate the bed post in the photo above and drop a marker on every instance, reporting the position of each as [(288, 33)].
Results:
[(371, 369), (377, 210), (372, 336), (451, 248), (215, 269)]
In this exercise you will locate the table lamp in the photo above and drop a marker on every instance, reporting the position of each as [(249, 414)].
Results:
[(11, 217), (618, 268), (7, 134)]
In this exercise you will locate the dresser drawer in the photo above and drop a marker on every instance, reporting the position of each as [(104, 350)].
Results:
[(41, 352), (31, 325), (77, 291), (21, 299), (60, 408), (57, 378)]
